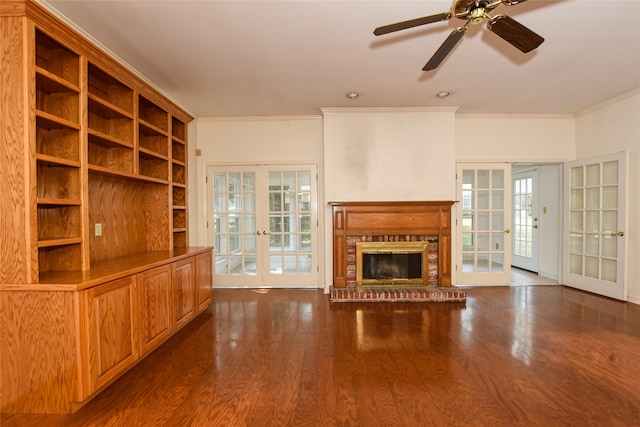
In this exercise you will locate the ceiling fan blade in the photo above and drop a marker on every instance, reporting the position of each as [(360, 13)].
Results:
[(411, 23), (515, 33), (445, 48), (512, 2)]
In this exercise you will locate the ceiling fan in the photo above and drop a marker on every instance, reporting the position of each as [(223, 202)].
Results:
[(475, 12)]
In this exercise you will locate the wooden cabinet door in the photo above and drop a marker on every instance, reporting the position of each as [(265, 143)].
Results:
[(111, 313), (184, 290), (204, 283), (154, 293)]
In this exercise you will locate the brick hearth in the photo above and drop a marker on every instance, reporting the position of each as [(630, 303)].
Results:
[(397, 294)]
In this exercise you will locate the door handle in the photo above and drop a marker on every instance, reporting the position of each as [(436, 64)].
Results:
[(508, 230), (265, 232), (619, 233), (258, 232), (535, 226)]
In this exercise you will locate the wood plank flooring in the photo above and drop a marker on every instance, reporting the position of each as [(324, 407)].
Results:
[(518, 356)]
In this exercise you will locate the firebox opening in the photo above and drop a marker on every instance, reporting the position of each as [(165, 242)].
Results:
[(392, 263), (394, 266)]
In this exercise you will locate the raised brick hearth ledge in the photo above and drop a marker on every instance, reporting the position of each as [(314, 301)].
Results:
[(398, 294)]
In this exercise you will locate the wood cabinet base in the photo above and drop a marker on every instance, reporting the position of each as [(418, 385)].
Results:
[(62, 343)]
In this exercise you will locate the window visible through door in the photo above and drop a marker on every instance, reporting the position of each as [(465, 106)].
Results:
[(525, 218), (264, 225)]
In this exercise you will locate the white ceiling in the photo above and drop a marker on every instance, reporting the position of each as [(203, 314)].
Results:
[(231, 58)]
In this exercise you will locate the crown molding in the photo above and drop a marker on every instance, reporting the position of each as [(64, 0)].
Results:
[(258, 118), (609, 102), (513, 116)]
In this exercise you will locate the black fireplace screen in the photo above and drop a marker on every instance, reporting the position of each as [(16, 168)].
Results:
[(385, 266)]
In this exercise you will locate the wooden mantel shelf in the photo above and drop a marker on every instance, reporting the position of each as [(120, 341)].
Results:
[(359, 218)]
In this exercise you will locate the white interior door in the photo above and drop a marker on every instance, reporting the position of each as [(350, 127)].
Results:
[(525, 219), (262, 221), (483, 224), (594, 223)]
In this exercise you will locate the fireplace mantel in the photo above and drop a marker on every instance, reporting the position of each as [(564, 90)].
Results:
[(410, 218)]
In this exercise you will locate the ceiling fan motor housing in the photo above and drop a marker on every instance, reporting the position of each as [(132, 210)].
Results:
[(474, 11)]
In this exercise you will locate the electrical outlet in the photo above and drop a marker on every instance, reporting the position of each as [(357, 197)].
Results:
[(98, 229)]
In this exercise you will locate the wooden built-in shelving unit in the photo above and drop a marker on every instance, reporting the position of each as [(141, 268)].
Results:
[(87, 145)]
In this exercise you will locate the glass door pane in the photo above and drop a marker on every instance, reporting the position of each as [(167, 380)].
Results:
[(482, 215), (595, 215), (235, 222), (290, 222)]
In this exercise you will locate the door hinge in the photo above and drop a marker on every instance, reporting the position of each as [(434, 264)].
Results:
[(318, 268), (206, 179)]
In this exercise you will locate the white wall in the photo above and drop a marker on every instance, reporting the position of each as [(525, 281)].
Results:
[(609, 128), (260, 140), (515, 138), (550, 224), (389, 155)]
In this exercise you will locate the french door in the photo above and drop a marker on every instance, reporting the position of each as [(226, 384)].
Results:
[(594, 224), (262, 221), (525, 219), (484, 221)]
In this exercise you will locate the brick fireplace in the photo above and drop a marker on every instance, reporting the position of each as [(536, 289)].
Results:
[(394, 222)]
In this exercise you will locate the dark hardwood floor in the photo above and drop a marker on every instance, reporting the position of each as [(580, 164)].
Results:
[(519, 356)]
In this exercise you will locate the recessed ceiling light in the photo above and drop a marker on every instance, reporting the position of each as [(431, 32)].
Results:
[(443, 94), (352, 95)]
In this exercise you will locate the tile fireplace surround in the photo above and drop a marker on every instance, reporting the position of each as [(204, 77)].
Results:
[(391, 221)]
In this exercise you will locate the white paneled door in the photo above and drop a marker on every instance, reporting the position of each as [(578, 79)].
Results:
[(525, 219), (483, 224), (262, 221), (594, 225)]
